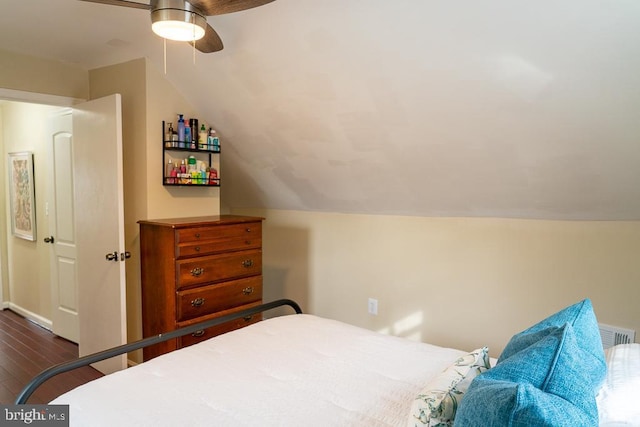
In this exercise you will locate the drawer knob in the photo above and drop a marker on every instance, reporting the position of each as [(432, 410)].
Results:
[(247, 263), (197, 235), (198, 302), (197, 271), (197, 334), (197, 248), (248, 290), (248, 230), (247, 318)]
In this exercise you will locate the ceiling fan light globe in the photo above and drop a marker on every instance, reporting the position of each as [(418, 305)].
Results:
[(177, 20), (178, 30)]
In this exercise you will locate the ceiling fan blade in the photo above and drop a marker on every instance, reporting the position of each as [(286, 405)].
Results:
[(219, 7), (124, 3), (211, 42)]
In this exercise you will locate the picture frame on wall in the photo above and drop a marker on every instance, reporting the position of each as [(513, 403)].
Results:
[(22, 195)]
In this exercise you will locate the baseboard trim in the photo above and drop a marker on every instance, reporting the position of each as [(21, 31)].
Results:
[(35, 318)]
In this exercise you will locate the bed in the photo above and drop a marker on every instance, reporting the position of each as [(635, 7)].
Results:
[(304, 370)]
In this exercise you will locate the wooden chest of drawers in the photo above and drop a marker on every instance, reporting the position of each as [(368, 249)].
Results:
[(194, 269)]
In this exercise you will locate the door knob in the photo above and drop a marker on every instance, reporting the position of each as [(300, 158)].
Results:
[(49, 239), (125, 255), (113, 256)]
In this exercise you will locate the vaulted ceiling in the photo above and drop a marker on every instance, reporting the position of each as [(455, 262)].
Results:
[(410, 107)]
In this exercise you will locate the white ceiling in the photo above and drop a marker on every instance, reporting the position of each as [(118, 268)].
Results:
[(411, 107)]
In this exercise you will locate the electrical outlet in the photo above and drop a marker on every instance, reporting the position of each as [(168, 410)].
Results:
[(373, 306)]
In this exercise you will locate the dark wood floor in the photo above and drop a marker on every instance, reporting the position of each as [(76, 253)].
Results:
[(26, 349)]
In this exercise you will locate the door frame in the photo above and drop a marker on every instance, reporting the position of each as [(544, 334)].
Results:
[(38, 98)]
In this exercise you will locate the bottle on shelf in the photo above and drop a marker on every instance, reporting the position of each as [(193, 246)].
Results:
[(191, 163), (174, 174), (213, 176), (167, 172), (193, 125), (183, 173), (187, 137), (204, 176), (192, 176), (174, 139), (168, 136), (181, 131), (202, 138), (213, 141)]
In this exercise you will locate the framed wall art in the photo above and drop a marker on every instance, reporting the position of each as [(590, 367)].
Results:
[(22, 195)]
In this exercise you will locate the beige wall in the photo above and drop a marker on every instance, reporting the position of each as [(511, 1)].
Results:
[(456, 282), (28, 284), (163, 103), (43, 76), (147, 100)]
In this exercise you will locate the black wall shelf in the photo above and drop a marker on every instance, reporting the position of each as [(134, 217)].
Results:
[(186, 179)]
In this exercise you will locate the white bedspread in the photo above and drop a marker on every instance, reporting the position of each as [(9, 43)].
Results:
[(296, 370)]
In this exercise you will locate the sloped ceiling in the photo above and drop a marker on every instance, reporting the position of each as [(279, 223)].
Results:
[(411, 107)]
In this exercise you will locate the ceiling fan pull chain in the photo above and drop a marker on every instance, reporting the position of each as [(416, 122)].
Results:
[(193, 21), (165, 56)]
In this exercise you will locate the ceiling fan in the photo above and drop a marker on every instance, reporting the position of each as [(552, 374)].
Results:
[(184, 20)]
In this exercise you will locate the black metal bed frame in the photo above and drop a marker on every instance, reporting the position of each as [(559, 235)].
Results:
[(145, 342)]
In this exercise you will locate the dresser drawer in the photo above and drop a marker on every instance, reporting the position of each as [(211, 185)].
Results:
[(206, 240), (206, 248), (207, 333), (217, 268), (208, 299)]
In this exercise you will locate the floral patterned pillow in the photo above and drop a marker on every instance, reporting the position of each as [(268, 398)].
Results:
[(437, 403)]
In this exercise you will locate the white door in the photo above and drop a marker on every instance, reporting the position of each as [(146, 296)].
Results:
[(64, 284), (99, 228)]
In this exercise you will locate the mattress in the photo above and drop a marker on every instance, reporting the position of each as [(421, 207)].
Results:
[(296, 370)]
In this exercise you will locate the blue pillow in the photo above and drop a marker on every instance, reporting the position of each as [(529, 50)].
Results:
[(557, 364), (585, 326), (493, 403), (547, 383)]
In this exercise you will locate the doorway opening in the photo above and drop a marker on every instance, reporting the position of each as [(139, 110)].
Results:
[(24, 265), (87, 148)]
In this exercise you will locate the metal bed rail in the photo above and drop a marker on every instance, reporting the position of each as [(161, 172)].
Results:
[(145, 342)]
